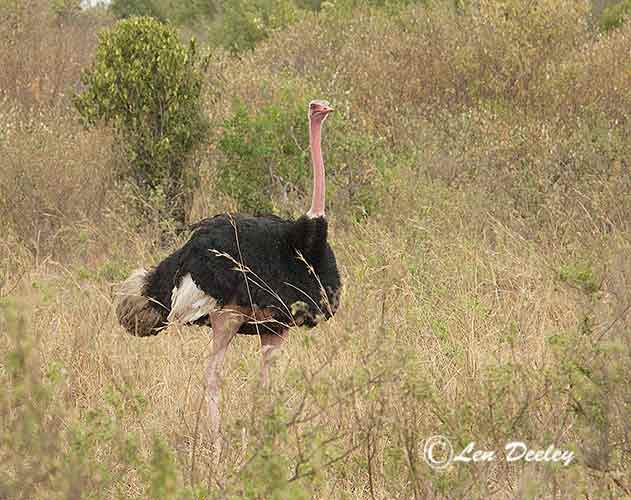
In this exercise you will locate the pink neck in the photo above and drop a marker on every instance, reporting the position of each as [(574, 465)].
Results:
[(317, 201)]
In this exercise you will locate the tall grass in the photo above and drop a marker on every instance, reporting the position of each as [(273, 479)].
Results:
[(486, 292)]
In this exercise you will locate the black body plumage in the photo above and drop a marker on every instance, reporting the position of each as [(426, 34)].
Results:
[(290, 268)]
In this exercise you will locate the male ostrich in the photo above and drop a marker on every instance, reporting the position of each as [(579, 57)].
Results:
[(242, 274)]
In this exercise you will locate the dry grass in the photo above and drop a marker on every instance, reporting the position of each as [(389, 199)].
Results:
[(43, 52), (487, 298)]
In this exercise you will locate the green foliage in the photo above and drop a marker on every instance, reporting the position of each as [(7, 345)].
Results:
[(239, 25), (263, 155), (592, 372), (161, 472), (265, 476), (309, 4), (191, 12), (187, 13), (148, 87), (487, 292), (244, 23), (580, 275), (266, 159), (615, 15), (346, 7), (123, 9), (46, 446), (66, 7)]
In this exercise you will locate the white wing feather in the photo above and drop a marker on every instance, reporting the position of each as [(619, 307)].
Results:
[(189, 303)]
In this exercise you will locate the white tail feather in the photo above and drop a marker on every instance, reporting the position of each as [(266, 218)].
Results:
[(135, 312), (189, 303)]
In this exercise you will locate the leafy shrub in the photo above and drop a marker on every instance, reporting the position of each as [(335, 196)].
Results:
[(309, 4), (148, 87), (262, 156), (580, 275), (192, 12), (65, 8), (614, 16), (266, 159), (129, 8), (496, 271), (244, 23), (346, 8), (47, 447)]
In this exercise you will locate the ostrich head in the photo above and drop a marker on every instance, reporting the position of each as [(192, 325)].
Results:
[(319, 110)]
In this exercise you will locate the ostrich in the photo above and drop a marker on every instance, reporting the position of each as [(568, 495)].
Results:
[(242, 274)]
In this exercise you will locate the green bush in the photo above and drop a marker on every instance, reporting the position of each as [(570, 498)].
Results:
[(130, 8), (265, 160), (148, 87), (244, 23), (579, 275), (48, 448), (263, 156), (615, 15), (191, 12), (66, 7)]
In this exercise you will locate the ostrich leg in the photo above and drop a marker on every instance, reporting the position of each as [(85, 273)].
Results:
[(225, 325), (270, 342)]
